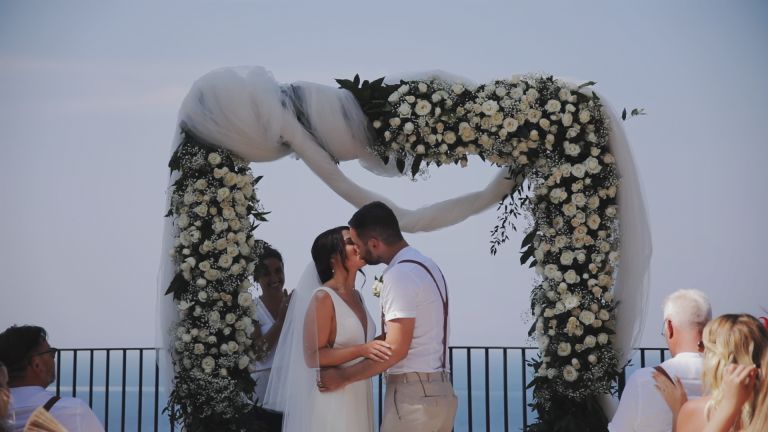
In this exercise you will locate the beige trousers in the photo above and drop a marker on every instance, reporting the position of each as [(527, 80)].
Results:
[(419, 402)]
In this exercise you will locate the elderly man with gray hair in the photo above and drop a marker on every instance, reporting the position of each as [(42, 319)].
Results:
[(642, 408)]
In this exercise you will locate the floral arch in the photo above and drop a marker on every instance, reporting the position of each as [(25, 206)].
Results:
[(564, 161)]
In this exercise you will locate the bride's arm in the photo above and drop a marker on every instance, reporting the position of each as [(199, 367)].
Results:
[(399, 337), (324, 320)]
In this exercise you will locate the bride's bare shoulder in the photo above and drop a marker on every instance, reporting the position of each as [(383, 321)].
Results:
[(691, 417)]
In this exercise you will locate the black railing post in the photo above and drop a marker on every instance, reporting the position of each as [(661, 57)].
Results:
[(642, 357), (74, 374), (58, 374), (157, 388), (487, 395), (506, 397), (141, 384), (90, 383), (106, 397), (469, 387), (122, 399), (525, 391)]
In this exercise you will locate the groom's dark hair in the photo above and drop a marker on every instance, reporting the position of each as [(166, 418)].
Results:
[(376, 220)]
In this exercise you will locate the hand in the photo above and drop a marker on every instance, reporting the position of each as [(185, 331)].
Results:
[(738, 384), (376, 350), (673, 394), (284, 306), (331, 379)]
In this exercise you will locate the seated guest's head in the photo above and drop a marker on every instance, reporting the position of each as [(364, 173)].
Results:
[(686, 312), (26, 354), (739, 339)]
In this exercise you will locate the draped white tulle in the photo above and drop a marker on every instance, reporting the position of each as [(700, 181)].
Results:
[(245, 110)]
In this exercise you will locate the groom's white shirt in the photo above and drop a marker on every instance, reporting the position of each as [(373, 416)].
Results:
[(642, 408), (410, 292)]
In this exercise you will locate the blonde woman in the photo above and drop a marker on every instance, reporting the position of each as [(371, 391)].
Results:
[(733, 347)]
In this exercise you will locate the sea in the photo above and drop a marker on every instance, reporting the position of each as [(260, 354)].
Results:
[(137, 407)]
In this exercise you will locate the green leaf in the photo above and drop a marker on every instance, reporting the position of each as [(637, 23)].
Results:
[(586, 84), (257, 180), (176, 284), (416, 164), (533, 328), (400, 162), (170, 213), (624, 114), (526, 255), (528, 239)]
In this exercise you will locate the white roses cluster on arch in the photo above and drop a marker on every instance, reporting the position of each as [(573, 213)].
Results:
[(557, 138), (215, 254)]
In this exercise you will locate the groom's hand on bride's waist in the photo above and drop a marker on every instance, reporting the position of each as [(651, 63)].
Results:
[(331, 379)]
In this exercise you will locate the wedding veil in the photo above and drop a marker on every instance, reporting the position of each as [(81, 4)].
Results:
[(293, 380)]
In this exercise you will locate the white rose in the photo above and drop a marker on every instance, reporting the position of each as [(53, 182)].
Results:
[(199, 348), (202, 296), (578, 170), (222, 194), (566, 258), (550, 270), (593, 165), (587, 317), (589, 341), (243, 362), (225, 261), (232, 346), (571, 149), (549, 313), (571, 277), (553, 106), (569, 209), (570, 374), (244, 299), (563, 94), (592, 358), (533, 115), (551, 373), (593, 221), (608, 158), (571, 302), (579, 199), (423, 108), (567, 119), (404, 109), (490, 107), (564, 349), (201, 283), (212, 274), (572, 132), (584, 116), (394, 97), (404, 89), (214, 159), (593, 202), (602, 338), (610, 211), (457, 88)]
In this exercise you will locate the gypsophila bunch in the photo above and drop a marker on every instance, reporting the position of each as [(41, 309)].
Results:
[(213, 205), (553, 138)]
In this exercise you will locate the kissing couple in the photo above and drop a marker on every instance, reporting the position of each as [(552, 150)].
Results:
[(328, 349)]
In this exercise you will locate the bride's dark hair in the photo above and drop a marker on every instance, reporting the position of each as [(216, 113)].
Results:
[(327, 245)]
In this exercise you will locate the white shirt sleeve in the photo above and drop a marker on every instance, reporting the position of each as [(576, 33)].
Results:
[(625, 419), (399, 296)]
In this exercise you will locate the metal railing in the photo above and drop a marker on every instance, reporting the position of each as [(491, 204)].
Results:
[(490, 383)]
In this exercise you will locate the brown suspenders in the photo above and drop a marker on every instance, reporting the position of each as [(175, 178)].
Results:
[(445, 306), (52, 401)]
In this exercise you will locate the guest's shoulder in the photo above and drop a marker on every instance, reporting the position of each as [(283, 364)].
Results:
[(691, 416)]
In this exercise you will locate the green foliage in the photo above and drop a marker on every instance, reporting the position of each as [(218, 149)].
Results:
[(372, 96), (635, 112)]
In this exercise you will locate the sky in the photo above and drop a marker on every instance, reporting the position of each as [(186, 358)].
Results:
[(89, 93)]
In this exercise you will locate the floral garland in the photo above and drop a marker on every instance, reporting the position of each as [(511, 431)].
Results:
[(556, 138), (215, 253)]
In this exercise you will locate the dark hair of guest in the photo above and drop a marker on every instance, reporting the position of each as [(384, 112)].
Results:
[(17, 345), (270, 253), (376, 220), (327, 245)]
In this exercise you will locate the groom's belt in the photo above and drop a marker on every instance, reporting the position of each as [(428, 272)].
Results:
[(419, 376)]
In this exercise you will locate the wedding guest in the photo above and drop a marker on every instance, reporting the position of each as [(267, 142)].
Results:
[(5, 398), (686, 312), (272, 305), (31, 366), (733, 347)]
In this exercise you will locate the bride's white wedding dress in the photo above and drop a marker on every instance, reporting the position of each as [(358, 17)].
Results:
[(351, 408), (292, 387)]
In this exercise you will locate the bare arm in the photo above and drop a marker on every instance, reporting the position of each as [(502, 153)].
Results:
[(325, 322), (399, 337), (270, 338), (738, 386)]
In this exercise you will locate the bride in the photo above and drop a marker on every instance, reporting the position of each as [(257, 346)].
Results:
[(327, 325)]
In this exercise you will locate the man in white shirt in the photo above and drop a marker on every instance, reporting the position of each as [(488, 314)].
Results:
[(642, 408), (31, 368), (414, 301)]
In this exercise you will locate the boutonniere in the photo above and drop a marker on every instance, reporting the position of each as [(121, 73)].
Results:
[(378, 283)]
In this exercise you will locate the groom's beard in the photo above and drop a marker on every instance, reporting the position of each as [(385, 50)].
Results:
[(369, 258)]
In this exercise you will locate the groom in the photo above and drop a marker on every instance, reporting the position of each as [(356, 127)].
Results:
[(414, 303)]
